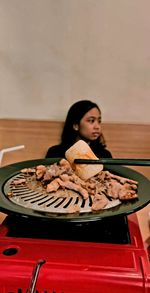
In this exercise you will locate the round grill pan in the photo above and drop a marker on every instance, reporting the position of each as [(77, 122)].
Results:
[(28, 203)]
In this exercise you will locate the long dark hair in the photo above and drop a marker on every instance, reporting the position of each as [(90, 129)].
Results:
[(75, 114)]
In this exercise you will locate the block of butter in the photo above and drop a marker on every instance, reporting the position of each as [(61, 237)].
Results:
[(81, 150)]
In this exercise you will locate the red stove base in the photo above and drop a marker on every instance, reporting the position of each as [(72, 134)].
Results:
[(75, 267)]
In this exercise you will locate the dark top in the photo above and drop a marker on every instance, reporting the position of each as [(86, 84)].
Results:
[(58, 151)]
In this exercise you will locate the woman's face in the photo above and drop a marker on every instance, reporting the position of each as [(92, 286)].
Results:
[(89, 127)]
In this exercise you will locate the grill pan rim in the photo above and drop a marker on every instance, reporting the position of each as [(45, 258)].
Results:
[(9, 207)]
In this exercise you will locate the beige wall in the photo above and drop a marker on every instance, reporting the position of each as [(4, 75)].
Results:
[(54, 52)]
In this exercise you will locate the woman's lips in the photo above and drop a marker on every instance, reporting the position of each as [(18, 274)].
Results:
[(95, 134)]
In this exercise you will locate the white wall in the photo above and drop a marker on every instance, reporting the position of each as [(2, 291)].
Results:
[(55, 52)]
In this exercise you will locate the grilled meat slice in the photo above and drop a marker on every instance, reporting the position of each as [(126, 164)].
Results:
[(53, 186), (40, 171), (99, 202)]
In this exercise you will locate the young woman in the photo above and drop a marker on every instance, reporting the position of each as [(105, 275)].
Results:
[(83, 121)]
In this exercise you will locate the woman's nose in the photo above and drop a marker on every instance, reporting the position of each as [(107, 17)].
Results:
[(97, 125)]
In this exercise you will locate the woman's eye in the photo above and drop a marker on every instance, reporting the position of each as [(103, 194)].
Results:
[(91, 120)]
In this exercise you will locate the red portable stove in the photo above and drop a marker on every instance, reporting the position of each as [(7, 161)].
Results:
[(50, 253)]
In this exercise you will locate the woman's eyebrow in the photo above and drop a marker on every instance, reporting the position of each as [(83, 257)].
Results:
[(92, 116)]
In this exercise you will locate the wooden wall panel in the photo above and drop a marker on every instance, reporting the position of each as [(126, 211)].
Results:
[(124, 140)]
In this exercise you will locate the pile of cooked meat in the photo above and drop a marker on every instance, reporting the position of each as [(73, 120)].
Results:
[(101, 188)]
